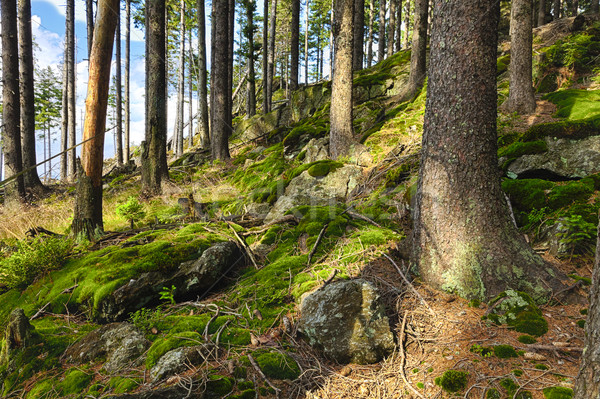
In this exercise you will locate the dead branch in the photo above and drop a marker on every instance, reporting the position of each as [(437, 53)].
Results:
[(355, 215), (262, 375), (403, 359), (412, 287), (319, 238), (244, 246)]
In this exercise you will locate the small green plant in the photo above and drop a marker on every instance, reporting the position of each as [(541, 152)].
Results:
[(581, 323), (536, 217), (168, 294), (578, 234), (145, 319), (484, 351), (452, 380), (420, 385), (132, 211), (540, 366)]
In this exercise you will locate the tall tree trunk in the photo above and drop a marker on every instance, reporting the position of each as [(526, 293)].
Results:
[(119, 90), (49, 153), (154, 146), (342, 134), (89, 19), (381, 41), (418, 55), (251, 82), (521, 96), (265, 54), (295, 45), (127, 77), (391, 28), (271, 58), (399, 27), (595, 6), (306, 35), (556, 9), (575, 8), (370, 39), (203, 129), (11, 116), (180, 82), (464, 240), (64, 117), (359, 33), (331, 41), (231, 30), (541, 14), (87, 218), (407, 25), (31, 178), (71, 86), (219, 80), (190, 91)]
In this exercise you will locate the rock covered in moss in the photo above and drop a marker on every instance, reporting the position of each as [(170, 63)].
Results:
[(178, 360), (518, 310), (347, 321), (18, 334), (122, 344), (316, 150)]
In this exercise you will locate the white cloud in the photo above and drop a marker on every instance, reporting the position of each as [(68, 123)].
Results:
[(49, 51)]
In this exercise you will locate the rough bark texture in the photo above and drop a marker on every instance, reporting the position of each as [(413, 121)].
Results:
[(556, 9), (71, 110), (119, 90), (541, 14), (418, 55), (398, 46), (154, 148), (381, 39), (271, 57), (464, 239), (203, 129), (87, 220), (190, 91), (391, 28), (251, 80), (295, 45), (370, 38), (218, 81), (342, 135), (265, 55), (89, 19), (306, 34), (64, 118), (359, 33), (521, 97), (231, 30), (31, 178), (127, 77), (180, 82), (14, 191), (587, 384), (575, 8), (407, 24)]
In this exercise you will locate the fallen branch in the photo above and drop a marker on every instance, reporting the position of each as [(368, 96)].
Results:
[(403, 359), (412, 287), (355, 215), (210, 321), (554, 348), (330, 278), (40, 312), (285, 219), (319, 238), (262, 375), (244, 245)]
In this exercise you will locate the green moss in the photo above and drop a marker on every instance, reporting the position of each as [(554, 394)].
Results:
[(75, 381), (557, 393), (219, 384), (420, 385), (540, 366), (576, 104), (519, 148), (372, 79), (518, 310), (509, 386), (574, 130), (474, 303), (163, 345), (517, 372), (395, 176), (527, 339), (277, 365), (122, 384), (504, 351), (492, 393), (584, 280), (527, 194), (245, 394), (563, 195), (452, 380), (41, 389), (581, 323), (583, 311), (323, 168)]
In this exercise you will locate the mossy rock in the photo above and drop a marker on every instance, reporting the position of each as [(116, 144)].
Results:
[(164, 345), (518, 310), (323, 168), (42, 389), (75, 381), (574, 130), (122, 384), (519, 148), (452, 380), (575, 191), (527, 194), (219, 384), (277, 365), (548, 83), (557, 393)]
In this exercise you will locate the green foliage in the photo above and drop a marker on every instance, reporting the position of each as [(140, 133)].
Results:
[(576, 104), (527, 339), (540, 366), (474, 303), (452, 380), (168, 294), (30, 258), (557, 393), (536, 217), (518, 310), (132, 210), (581, 323), (578, 234), (575, 51), (145, 319), (563, 195), (484, 351), (504, 351)]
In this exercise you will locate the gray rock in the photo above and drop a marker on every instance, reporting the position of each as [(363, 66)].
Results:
[(177, 360), (191, 280), (122, 344), (18, 334), (316, 191), (347, 321), (316, 150), (565, 158)]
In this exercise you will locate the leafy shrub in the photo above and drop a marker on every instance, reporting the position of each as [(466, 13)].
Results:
[(132, 210), (31, 258)]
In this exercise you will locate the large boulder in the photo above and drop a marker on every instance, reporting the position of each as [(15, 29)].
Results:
[(178, 360), (347, 321), (122, 344), (192, 279)]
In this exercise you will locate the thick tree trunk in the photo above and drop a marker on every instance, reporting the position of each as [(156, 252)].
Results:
[(418, 55), (203, 129), (219, 80), (295, 45), (359, 33), (381, 41), (391, 38), (89, 19), (31, 178), (265, 54), (11, 116), (180, 82), (521, 97), (251, 82), (587, 384), (119, 90), (464, 240), (127, 77), (342, 135), (87, 219), (370, 38), (154, 147), (399, 27), (71, 87), (556, 9), (541, 14)]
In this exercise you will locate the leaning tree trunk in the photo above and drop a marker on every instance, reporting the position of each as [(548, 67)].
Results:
[(118, 100), (31, 178), (295, 44), (154, 146), (359, 33), (464, 240), (521, 97), (381, 41), (14, 191), (203, 129), (391, 28), (342, 135), (87, 219), (418, 55)]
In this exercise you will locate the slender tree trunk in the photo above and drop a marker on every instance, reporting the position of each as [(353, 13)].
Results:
[(342, 134), (541, 15), (306, 34), (407, 25), (575, 9), (295, 45), (190, 91), (231, 30), (359, 33), (521, 97), (119, 90), (127, 77), (89, 18), (331, 41), (418, 55), (71, 91), (11, 117), (49, 153), (203, 129), (595, 6), (392, 28), (154, 147), (64, 115), (399, 26), (265, 54), (31, 178), (271, 57), (46, 131), (251, 82), (180, 82), (381, 41), (556, 9), (370, 39), (87, 219), (219, 80), (464, 240)]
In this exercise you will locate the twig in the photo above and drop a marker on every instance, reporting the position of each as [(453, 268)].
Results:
[(553, 348), (319, 238), (244, 246), (330, 278), (259, 371), (403, 358), (210, 321), (355, 215), (220, 331), (412, 287), (40, 312), (578, 283)]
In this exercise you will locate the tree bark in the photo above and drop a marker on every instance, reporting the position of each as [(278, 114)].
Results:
[(391, 28), (190, 91), (381, 41), (231, 30), (265, 54), (64, 115), (399, 27), (595, 6), (358, 35), (119, 90), (71, 94), (295, 45), (306, 34), (127, 77), (521, 97), (180, 82), (87, 219), (342, 135), (556, 9), (11, 116), (575, 8), (203, 129), (418, 55), (541, 15), (370, 38), (464, 240), (31, 178), (154, 147), (407, 25), (251, 80), (89, 19), (271, 57), (219, 80)]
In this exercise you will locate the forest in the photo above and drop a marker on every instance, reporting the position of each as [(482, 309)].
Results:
[(328, 199)]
